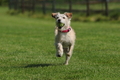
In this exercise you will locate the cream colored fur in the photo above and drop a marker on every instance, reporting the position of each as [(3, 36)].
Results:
[(64, 42)]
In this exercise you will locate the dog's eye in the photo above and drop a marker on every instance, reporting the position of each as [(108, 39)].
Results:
[(57, 17), (63, 17)]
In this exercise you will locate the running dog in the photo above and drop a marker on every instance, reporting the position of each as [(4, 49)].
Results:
[(64, 35)]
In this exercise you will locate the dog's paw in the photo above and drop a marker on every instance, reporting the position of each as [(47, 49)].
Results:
[(59, 55), (65, 63)]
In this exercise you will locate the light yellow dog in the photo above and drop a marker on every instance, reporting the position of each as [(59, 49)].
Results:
[(64, 35)]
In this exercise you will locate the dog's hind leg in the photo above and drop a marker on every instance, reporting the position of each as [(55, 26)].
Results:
[(69, 54), (66, 50), (70, 50), (67, 59)]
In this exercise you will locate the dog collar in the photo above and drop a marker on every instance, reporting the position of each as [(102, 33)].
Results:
[(65, 31)]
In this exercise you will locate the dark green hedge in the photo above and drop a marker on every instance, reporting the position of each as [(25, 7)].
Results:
[(3, 2)]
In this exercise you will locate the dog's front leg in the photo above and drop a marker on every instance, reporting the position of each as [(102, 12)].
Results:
[(69, 54), (59, 49)]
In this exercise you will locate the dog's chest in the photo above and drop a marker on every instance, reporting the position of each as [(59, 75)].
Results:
[(65, 39)]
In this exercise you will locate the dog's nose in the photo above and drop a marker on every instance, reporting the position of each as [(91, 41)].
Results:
[(59, 20)]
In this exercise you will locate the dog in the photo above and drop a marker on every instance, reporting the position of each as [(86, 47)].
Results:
[(64, 35)]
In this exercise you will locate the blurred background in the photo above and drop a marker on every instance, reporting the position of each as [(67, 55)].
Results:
[(84, 10)]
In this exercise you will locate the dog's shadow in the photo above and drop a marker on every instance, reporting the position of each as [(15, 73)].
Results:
[(39, 65)]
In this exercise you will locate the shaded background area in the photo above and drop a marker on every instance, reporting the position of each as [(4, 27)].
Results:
[(63, 5), (101, 9)]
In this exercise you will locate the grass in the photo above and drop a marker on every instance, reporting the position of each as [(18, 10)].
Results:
[(27, 50)]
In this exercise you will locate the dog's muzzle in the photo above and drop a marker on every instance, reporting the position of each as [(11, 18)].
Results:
[(60, 25), (59, 20)]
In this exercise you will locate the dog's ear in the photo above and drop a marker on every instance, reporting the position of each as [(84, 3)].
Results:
[(69, 15), (54, 14)]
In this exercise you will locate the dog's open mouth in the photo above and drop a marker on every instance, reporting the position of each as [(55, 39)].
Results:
[(60, 25)]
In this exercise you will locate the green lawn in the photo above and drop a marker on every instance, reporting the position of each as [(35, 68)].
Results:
[(27, 50)]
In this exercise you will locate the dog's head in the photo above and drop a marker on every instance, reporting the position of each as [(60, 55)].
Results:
[(62, 20)]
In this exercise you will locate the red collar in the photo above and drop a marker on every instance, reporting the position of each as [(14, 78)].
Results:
[(65, 31)]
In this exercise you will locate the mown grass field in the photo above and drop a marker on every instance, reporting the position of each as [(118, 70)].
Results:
[(27, 50)]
